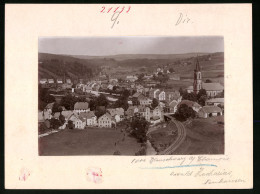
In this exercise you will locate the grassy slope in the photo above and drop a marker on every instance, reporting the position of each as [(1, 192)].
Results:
[(204, 136), (92, 141)]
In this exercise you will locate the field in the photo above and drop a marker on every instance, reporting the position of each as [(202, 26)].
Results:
[(204, 136), (91, 141)]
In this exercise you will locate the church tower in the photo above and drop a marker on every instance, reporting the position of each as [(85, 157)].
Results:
[(197, 84)]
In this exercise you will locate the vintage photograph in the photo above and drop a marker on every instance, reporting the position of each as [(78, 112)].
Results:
[(131, 96)]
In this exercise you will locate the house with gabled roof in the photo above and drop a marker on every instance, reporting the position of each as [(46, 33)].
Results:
[(209, 111), (144, 111), (105, 120), (194, 105), (116, 113), (131, 111), (78, 121), (173, 96), (153, 93), (145, 101), (139, 88), (171, 107), (90, 117), (161, 96)]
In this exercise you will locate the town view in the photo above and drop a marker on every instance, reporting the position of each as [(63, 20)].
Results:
[(131, 96)]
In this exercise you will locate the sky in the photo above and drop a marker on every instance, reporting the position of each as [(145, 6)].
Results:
[(103, 46)]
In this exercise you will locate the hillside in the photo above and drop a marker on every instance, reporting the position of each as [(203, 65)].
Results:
[(123, 57), (87, 67)]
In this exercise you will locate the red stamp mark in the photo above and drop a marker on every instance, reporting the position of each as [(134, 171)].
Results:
[(94, 174), (24, 174)]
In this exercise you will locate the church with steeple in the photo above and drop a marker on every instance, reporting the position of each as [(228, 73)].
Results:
[(197, 83), (212, 89)]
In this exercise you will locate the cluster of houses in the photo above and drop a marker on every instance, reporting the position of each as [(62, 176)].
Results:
[(168, 101)]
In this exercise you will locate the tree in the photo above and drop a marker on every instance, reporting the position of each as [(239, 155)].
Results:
[(101, 100), (81, 99), (139, 128), (155, 103), (208, 81), (120, 80), (126, 93), (140, 77), (184, 112), (48, 98), (41, 105), (70, 124), (122, 102), (202, 92), (171, 70), (135, 101), (68, 102), (92, 104), (115, 88), (100, 110), (181, 91), (62, 119), (55, 123), (202, 100), (56, 108), (189, 96)]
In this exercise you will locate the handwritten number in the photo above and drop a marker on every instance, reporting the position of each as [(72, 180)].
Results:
[(103, 9), (122, 9), (114, 18), (109, 9), (116, 9), (128, 9)]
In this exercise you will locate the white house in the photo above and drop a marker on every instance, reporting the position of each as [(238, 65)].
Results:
[(209, 111), (131, 78), (51, 81), (81, 107), (144, 112), (117, 113), (59, 81), (105, 120), (43, 81), (161, 96), (79, 122)]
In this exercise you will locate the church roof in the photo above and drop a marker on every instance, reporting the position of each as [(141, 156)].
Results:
[(197, 65), (211, 109), (212, 86)]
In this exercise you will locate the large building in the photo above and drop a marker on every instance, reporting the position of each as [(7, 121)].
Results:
[(212, 89)]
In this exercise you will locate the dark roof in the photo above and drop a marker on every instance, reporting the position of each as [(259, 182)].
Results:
[(211, 109), (87, 115), (80, 105), (212, 86), (136, 95)]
